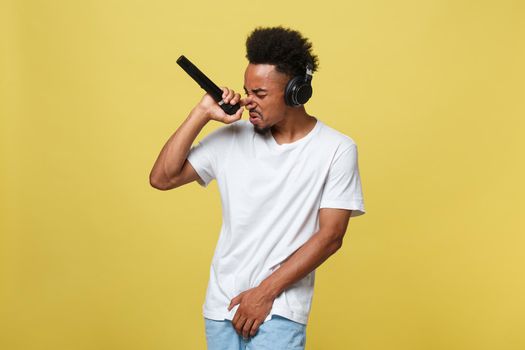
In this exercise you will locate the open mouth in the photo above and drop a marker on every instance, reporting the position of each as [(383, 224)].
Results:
[(255, 118), (254, 113)]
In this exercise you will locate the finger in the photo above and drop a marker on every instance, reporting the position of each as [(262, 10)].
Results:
[(255, 328), (238, 114), (233, 118), (225, 118), (239, 325), (229, 96), (246, 329), (236, 317), (224, 91), (235, 98)]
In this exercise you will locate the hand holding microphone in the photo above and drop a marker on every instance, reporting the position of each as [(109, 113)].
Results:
[(220, 104), (215, 112)]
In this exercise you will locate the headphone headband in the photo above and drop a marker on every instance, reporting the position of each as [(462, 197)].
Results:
[(309, 73)]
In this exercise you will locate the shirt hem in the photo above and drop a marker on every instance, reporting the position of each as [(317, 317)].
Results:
[(290, 314), (203, 179), (357, 208)]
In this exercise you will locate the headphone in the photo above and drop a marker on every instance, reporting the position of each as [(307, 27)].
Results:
[(299, 89)]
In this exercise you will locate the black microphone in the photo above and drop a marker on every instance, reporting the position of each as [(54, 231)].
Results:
[(207, 84)]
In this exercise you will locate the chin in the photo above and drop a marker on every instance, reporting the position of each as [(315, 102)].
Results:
[(261, 131)]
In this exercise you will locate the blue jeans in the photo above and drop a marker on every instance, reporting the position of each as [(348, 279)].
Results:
[(278, 333)]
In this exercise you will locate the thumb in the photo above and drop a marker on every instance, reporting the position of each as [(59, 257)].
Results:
[(234, 117)]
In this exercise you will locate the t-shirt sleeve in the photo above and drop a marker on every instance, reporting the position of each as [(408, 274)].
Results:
[(342, 188), (207, 156)]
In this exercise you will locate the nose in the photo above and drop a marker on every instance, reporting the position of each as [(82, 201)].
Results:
[(248, 103)]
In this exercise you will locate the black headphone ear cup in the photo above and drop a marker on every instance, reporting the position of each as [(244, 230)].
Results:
[(297, 92), (303, 93), (290, 89)]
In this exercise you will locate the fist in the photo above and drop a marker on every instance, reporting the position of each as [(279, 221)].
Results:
[(214, 112)]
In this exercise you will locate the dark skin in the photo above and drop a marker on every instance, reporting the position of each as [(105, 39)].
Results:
[(264, 88), (256, 303)]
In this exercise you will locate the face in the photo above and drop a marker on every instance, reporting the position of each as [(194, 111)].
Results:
[(264, 89)]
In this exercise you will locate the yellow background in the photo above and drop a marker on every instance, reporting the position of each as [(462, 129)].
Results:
[(433, 93)]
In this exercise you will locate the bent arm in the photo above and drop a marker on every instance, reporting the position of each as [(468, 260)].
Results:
[(171, 169), (168, 169), (324, 243)]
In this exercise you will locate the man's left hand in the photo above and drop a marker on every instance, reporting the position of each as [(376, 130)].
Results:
[(255, 305)]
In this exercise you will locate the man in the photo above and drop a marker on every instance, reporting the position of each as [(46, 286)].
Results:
[(289, 185)]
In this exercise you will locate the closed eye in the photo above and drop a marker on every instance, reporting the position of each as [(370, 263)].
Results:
[(259, 92), (258, 95)]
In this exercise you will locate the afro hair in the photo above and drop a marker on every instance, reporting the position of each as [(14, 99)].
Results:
[(284, 48)]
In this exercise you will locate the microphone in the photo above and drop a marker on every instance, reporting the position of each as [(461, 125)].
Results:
[(207, 85)]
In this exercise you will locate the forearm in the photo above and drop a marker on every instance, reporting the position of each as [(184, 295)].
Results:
[(303, 261), (173, 155)]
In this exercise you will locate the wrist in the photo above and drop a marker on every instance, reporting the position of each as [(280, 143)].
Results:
[(270, 288), (200, 113)]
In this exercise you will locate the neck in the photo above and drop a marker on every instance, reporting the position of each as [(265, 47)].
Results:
[(295, 125)]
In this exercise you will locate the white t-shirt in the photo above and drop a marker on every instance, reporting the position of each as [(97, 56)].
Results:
[(271, 195)]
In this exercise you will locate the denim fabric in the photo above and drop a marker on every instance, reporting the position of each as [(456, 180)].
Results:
[(278, 333)]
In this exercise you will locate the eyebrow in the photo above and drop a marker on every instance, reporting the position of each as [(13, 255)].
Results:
[(255, 90)]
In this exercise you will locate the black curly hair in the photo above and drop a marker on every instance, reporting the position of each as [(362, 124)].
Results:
[(283, 47)]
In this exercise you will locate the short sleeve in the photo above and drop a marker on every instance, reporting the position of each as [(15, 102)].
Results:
[(207, 156), (342, 188)]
